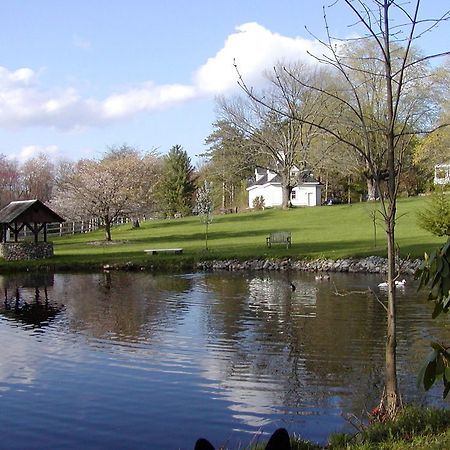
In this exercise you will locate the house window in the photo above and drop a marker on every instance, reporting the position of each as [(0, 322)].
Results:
[(293, 195)]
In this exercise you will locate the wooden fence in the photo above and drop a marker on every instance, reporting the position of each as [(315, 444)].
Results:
[(76, 227)]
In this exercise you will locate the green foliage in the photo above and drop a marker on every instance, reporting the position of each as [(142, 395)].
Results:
[(296, 444), (258, 202), (230, 162), (412, 421), (414, 428), (434, 275), (178, 184), (340, 440), (436, 218), (300, 444)]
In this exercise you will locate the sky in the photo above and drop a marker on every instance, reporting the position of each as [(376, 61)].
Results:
[(77, 77)]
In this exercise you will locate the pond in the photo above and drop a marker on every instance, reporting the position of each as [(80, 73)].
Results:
[(138, 360)]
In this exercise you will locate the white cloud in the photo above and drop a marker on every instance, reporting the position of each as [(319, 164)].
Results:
[(23, 77), (145, 98), (254, 49), (24, 102), (30, 151)]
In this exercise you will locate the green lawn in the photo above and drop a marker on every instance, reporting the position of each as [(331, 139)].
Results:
[(321, 232)]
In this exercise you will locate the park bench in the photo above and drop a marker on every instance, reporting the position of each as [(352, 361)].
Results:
[(279, 237), (155, 251)]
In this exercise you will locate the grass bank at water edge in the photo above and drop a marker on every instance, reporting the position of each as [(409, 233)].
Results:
[(317, 233)]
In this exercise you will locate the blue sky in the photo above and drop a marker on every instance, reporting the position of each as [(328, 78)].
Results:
[(78, 76)]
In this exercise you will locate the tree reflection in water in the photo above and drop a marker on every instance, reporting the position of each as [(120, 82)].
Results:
[(215, 351), (26, 300)]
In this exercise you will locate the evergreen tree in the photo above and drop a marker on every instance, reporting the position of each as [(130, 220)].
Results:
[(436, 218), (178, 184)]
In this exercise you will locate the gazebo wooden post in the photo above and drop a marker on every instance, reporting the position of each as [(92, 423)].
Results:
[(45, 232), (16, 232), (35, 232)]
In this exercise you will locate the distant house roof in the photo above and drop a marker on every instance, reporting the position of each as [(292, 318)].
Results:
[(264, 180), (28, 211), (309, 178), (305, 179)]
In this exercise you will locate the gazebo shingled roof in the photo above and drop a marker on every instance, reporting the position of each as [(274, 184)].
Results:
[(29, 213)]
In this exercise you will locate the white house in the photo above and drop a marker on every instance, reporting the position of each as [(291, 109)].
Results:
[(442, 174), (267, 184)]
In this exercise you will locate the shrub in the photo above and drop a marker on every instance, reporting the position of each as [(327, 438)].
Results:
[(436, 218), (340, 440), (258, 202), (412, 421)]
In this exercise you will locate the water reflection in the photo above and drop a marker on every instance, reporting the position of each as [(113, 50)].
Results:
[(223, 353), (26, 299), (122, 306)]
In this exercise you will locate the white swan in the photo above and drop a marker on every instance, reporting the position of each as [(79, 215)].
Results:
[(323, 277), (398, 283)]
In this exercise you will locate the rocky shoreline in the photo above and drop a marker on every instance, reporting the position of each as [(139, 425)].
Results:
[(370, 264)]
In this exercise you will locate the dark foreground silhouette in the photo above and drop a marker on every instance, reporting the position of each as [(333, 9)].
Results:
[(278, 441)]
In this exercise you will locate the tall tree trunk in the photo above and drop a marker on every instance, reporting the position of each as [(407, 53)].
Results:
[(371, 189), (206, 233), (392, 393), (286, 189), (349, 191), (107, 229), (223, 195), (286, 195)]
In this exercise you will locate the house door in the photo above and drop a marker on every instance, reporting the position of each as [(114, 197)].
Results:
[(310, 198)]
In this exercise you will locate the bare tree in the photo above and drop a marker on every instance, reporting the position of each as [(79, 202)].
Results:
[(37, 177), (10, 188), (375, 105), (281, 141), (434, 148)]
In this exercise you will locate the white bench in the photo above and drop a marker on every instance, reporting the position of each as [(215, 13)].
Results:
[(155, 251)]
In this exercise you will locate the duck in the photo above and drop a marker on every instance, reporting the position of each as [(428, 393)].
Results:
[(398, 283), (323, 277)]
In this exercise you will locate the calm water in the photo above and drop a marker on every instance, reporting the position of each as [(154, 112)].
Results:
[(134, 361)]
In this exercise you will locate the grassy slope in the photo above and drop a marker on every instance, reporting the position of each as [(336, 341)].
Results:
[(322, 232)]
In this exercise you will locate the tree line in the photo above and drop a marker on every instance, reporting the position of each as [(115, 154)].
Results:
[(330, 121), (124, 181)]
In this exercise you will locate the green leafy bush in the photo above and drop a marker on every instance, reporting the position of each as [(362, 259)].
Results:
[(434, 275), (412, 421), (436, 218)]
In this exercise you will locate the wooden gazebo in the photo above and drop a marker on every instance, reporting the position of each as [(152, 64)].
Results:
[(34, 216)]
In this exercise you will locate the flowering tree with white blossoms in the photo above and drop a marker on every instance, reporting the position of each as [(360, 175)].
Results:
[(205, 206)]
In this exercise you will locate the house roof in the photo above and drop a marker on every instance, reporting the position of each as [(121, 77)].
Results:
[(305, 179), (28, 211), (264, 180)]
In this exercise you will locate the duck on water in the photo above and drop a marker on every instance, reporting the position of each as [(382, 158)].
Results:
[(398, 283)]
